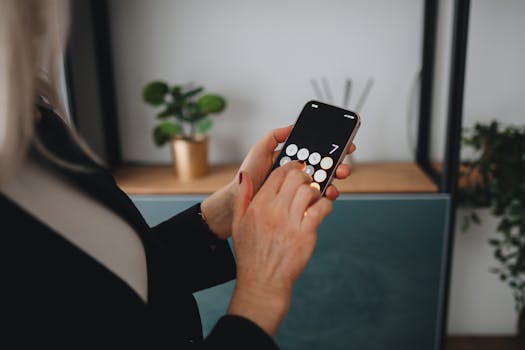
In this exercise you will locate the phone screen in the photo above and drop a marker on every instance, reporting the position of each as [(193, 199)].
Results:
[(320, 137)]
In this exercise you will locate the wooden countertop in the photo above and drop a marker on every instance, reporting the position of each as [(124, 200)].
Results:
[(399, 177)]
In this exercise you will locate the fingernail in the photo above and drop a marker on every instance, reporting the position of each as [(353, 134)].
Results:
[(301, 161), (240, 177)]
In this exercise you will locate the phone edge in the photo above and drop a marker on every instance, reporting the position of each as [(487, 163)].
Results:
[(350, 140)]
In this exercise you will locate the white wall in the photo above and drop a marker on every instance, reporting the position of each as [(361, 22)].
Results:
[(495, 78), (479, 302), (261, 56)]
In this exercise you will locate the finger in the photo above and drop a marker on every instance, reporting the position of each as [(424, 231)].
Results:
[(342, 171), (332, 192), (304, 197), (276, 136), (277, 177), (294, 179), (351, 149), (244, 196), (315, 215)]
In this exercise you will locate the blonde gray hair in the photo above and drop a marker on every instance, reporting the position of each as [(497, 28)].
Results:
[(32, 40)]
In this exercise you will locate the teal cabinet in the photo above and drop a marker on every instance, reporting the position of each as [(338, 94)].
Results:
[(375, 280)]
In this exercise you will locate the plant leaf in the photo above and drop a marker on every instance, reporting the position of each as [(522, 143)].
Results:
[(164, 132), (465, 224), (192, 92), (494, 242), (154, 92), (168, 112), (194, 112), (176, 92), (211, 103), (475, 218), (204, 125)]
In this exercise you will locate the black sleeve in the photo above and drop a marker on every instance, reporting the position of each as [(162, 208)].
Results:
[(211, 262), (209, 258), (235, 332)]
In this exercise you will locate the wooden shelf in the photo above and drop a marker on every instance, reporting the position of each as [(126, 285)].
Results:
[(366, 178)]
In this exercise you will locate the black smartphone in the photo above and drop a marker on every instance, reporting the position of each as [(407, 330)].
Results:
[(321, 137)]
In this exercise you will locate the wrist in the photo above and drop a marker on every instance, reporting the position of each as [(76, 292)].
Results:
[(217, 211), (264, 306)]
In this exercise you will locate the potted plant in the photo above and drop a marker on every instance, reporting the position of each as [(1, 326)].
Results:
[(495, 178), (183, 121)]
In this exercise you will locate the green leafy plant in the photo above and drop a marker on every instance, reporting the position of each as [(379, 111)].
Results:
[(496, 179), (185, 110)]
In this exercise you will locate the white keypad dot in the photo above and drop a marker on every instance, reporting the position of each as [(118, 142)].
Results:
[(302, 154), (316, 186), (320, 175), (314, 158), (327, 163), (284, 160), (291, 150), (309, 170)]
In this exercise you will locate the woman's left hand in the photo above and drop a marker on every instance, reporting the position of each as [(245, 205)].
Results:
[(218, 208)]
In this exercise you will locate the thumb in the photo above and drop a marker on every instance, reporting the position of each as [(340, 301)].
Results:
[(244, 196)]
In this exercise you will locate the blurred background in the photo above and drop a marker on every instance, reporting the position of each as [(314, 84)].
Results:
[(399, 63)]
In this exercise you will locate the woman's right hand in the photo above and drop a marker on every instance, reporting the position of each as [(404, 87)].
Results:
[(274, 235)]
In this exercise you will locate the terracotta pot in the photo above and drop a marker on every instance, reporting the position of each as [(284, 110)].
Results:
[(190, 157)]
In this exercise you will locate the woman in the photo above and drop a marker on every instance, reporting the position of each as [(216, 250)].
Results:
[(82, 266)]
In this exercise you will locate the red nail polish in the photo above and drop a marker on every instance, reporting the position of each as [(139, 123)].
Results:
[(240, 177), (301, 161)]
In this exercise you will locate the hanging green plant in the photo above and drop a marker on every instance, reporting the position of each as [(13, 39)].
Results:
[(498, 170)]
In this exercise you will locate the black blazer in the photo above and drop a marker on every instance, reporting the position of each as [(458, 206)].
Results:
[(59, 295)]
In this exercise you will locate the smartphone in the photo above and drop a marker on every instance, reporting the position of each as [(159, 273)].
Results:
[(320, 137)]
